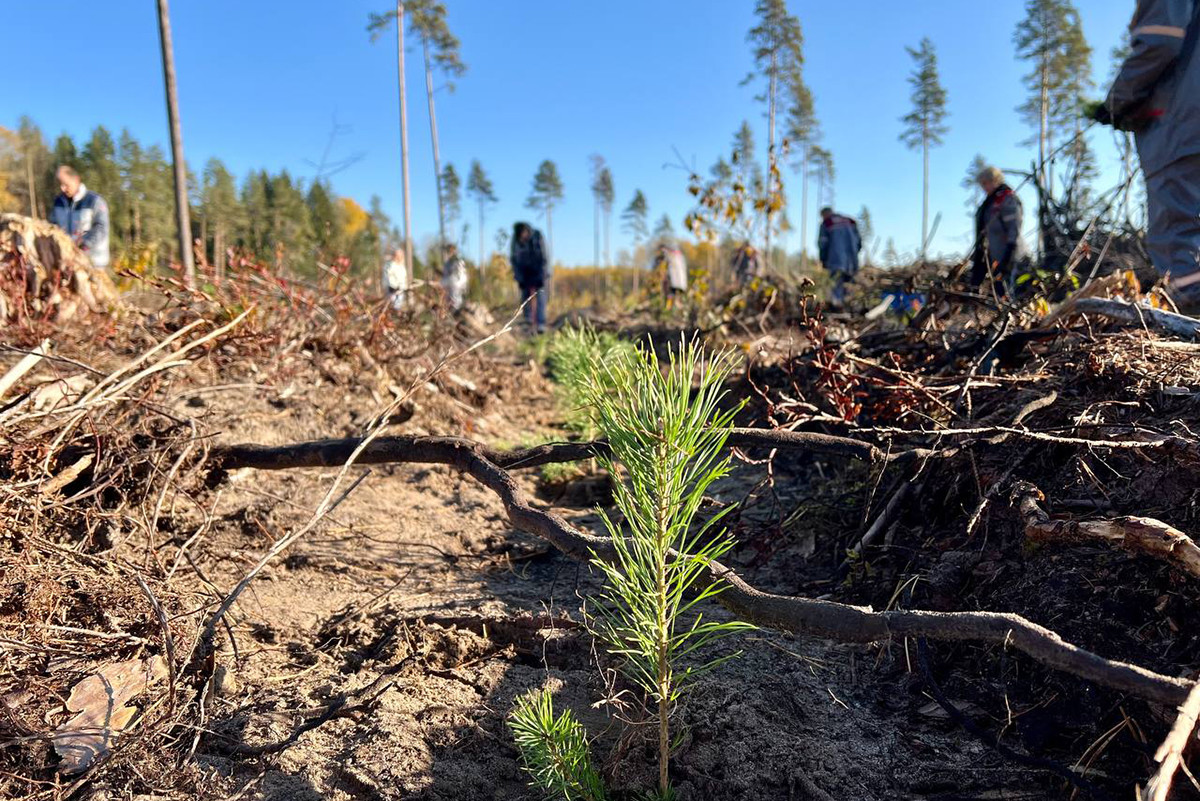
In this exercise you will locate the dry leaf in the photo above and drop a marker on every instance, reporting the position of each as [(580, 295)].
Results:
[(99, 701)]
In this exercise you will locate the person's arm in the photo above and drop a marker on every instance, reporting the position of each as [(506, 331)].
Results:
[(823, 244), (1156, 38), (857, 237), (56, 215), (99, 230)]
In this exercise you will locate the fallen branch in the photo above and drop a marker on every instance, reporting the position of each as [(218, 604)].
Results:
[(386, 450), (1177, 324), (18, 370), (828, 619), (1170, 754), (1138, 534)]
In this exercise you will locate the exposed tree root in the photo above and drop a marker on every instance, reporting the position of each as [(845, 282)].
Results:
[(1143, 535), (386, 450), (829, 619)]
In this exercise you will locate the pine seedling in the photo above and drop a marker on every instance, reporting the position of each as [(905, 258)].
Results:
[(668, 447), (555, 750), (570, 357)]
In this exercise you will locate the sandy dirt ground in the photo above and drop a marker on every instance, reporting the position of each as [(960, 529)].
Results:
[(418, 586)]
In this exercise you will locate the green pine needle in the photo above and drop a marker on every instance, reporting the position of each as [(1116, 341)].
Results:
[(555, 750)]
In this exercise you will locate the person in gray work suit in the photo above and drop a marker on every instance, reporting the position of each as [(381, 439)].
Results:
[(1157, 96)]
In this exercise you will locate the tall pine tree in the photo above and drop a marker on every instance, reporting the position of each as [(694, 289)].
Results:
[(777, 45), (804, 132), (925, 124), (1050, 38), (546, 193), (479, 187)]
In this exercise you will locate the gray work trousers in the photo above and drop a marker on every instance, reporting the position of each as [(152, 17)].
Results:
[(1173, 217)]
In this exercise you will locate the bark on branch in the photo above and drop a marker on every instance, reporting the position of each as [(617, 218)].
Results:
[(1136, 314), (826, 619), (384, 450), (1143, 535)]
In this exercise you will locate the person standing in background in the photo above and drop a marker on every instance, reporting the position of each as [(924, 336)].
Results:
[(454, 278), (838, 244), (83, 214), (528, 257), (999, 249), (746, 264), (395, 279)]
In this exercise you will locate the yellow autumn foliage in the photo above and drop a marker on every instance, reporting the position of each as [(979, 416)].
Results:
[(356, 218)]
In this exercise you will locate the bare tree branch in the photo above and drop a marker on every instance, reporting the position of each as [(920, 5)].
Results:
[(828, 619)]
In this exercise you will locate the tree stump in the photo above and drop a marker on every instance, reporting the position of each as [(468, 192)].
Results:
[(44, 275)]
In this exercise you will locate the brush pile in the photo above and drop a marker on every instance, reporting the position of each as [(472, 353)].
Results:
[(106, 673)]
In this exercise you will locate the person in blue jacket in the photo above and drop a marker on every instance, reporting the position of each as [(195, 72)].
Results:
[(838, 244), (1156, 95), (83, 215)]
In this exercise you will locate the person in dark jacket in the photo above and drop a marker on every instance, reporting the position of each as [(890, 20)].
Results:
[(999, 249), (746, 264), (528, 258), (1156, 95), (83, 215), (838, 244)]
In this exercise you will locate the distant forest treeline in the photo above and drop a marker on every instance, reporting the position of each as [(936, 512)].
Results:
[(277, 219)]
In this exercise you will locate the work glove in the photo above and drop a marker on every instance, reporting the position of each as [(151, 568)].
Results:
[(1098, 110)]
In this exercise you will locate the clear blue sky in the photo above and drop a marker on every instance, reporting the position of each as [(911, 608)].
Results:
[(260, 83)]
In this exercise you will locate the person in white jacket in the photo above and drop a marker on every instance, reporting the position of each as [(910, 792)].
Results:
[(395, 279)]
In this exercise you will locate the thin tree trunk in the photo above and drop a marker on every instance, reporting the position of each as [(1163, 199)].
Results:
[(770, 156), (596, 246), (608, 237), (32, 185), (550, 254), (481, 234), (437, 161), (925, 200), (637, 268), (1043, 113), (182, 220), (804, 209), (408, 238), (219, 252)]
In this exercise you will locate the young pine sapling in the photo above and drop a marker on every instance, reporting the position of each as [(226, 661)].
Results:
[(668, 447), (555, 750)]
